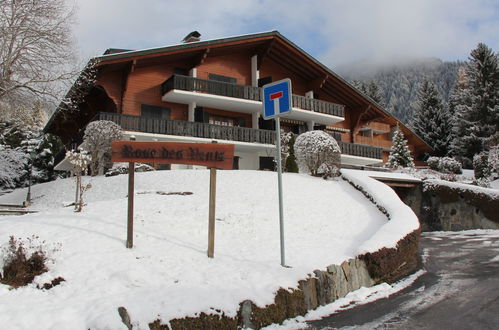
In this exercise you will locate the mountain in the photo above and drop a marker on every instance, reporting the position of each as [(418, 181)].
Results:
[(399, 80)]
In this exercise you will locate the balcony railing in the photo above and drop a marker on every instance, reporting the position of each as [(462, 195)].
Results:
[(187, 128), (361, 150), (245, 92)]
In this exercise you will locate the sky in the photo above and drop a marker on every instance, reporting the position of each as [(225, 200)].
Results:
[(335, 32)]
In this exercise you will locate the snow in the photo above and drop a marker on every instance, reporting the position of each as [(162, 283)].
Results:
[(402, 219), (167, 273)]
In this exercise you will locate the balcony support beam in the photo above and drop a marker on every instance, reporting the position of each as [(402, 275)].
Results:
[(190, 111), (255, 73), (254, 120), (310, 125)]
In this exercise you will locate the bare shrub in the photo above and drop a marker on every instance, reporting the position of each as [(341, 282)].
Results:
[(22, 261)]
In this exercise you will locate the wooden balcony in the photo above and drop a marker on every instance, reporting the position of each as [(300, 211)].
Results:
[(209, 131), (374, 141), (377, 127), (191, 84), (187, 128), (361, 150)]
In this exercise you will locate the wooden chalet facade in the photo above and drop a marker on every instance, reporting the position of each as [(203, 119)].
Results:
[(210, 90)]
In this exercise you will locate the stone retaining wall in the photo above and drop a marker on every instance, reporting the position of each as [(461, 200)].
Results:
[(385, 265), (441, 207)]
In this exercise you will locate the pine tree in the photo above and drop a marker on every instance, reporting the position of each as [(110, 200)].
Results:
[(400, 155), (476, 119), (370, 89), (432, 121)]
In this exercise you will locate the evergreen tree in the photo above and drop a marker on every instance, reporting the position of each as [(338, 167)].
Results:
[(432, 122), (290, 165), (400, 155), (476, 119), (370, 89)]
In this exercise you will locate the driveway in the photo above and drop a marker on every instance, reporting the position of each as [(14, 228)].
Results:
[(460, 289)]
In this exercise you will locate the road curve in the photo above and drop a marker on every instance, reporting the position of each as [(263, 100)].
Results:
[(460, 289)]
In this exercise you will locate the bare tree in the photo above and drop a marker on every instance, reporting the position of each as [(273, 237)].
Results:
[(35, 46), (98, 137)]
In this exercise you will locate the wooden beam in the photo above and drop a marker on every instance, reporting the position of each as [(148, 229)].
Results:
[(131, 183), (264, 53), (355, 120), (211, 212), (318, 83)]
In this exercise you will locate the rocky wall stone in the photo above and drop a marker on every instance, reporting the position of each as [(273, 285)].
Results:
[(441, 207)]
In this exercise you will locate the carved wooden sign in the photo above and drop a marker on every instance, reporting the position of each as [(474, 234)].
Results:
[(204, 154)]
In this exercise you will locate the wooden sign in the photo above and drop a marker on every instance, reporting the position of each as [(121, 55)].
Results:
[(205, 154)]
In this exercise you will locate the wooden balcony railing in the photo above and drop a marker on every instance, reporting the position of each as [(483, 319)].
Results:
[(245, 92), (374, 141), (361, 150), (209, 131), (187, 128)]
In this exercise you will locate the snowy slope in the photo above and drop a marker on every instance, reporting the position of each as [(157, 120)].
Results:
[(167, 274)]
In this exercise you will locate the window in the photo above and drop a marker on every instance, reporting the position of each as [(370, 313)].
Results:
[(217, 77), (264, 81), (154, 112), (223, 121), (266, 164)]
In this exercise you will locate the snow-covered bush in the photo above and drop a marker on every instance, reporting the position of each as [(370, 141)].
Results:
[(290, 163), (445, 165), (433, 163), (122, 168), (13, 168), (97, 140), (400, 155), (318, 152)]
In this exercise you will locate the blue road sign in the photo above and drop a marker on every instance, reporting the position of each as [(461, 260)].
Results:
[(276, 98)]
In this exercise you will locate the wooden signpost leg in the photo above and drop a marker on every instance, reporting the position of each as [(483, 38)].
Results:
[(211, 213), (131, 182)]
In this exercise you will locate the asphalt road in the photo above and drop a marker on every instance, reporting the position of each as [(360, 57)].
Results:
[(460, 289)]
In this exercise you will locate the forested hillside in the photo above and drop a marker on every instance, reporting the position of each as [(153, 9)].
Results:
[(399, 82)]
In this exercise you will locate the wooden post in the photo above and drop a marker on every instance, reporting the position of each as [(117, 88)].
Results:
[(211, 213), (131, 190), (131, 182)]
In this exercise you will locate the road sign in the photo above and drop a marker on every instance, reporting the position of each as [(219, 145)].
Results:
[(276, 98)]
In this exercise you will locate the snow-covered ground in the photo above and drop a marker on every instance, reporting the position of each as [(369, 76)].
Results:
[(167, 274)]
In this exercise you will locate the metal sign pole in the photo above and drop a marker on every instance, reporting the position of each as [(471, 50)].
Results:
[(279, 182)]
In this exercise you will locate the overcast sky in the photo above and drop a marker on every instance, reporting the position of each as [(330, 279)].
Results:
[(334, 31)]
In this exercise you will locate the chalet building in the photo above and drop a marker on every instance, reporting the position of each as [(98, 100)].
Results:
[(203, 91)]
